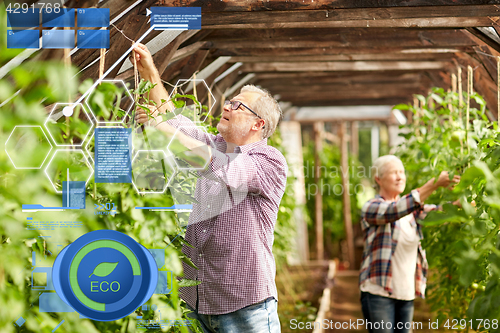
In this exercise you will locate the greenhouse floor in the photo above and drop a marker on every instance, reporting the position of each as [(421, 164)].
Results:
[(346, 307)]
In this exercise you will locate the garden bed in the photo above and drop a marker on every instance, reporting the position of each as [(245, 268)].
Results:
[(299, 292)]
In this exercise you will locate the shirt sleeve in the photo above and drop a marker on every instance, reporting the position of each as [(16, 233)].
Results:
[(261, 173), (378, 212), (192, 130)]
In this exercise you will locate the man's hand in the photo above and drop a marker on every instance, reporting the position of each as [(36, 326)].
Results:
[(145, 63), (140, 116)]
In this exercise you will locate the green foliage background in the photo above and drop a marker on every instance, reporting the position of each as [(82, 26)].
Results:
[(461, 243)]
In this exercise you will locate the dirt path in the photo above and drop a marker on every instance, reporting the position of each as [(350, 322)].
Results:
[(345, 305)]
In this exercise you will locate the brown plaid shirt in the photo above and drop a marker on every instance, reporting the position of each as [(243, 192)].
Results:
[(232, 226)]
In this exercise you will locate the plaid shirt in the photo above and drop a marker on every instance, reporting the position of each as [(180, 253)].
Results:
[(232, 226), (381, 230)]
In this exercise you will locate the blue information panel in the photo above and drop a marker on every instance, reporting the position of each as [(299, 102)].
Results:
[(23, 39), (112, 155), (176, 18), (58, 39), (64, 18), (30, 19), (93, 39), (93, 17)]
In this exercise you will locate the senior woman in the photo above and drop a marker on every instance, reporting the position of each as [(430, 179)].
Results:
[(394, 267)]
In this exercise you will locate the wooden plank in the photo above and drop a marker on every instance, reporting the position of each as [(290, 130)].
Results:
[(189, 50), (346, 200), (409, 17), (194, 64), (485, 55), (340, 38), (209, 6), (336, 50), (339, 87), (162, 58), (373, 93), (485, 39), (332, 66), (134, 26), (347, 57)]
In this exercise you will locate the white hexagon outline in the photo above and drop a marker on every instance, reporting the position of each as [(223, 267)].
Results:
[(175, 161), (208, 89), (86, 147), (86, 135), (72, 150), (48, 140), (168, 180), (105, 123)]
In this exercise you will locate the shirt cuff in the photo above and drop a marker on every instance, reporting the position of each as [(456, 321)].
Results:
[(416, 196)]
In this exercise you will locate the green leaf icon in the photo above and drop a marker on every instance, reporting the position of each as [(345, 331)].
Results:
[(104, 269)]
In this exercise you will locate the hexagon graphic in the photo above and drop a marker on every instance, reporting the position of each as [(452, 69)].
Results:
[(196, 113), (149, 138), (110, 102), (68, 124), (28, 147), (68, 164), (151, 171), (183, 158), (89, 147)]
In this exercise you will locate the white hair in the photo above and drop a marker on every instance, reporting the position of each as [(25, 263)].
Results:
[(379, 166), (267, 108)]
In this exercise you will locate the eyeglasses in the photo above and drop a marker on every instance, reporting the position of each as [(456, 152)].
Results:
[(236, 104)]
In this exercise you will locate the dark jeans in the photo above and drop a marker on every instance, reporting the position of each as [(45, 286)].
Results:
[(386, 315)]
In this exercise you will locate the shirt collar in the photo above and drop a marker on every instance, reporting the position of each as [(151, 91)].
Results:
[(246, 148)]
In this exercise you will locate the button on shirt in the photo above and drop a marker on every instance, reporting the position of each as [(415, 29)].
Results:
[(232, 225)]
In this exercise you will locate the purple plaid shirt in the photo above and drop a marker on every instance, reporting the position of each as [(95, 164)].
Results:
[(232, 226), (381, 230)]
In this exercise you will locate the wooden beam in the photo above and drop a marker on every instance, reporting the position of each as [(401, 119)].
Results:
[(333, 66), (134, 26), (210, 6), (318, 197), (338, 50), (347, 57), (485, 40), (344, 162), (340, 38), (189, 50), (486, 55), (194, 64), (355, 139), (162, 58), (219, 90), (400, 17)]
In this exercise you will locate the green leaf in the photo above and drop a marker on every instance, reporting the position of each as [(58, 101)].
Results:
[(401, 107), (104, 269), (188, 283)]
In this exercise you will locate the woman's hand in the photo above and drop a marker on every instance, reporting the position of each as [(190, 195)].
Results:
[(444, 180)]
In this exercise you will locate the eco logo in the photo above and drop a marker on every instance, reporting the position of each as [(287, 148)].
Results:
[(105, 275)]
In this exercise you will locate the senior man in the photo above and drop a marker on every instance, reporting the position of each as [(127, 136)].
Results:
[(232, 225)]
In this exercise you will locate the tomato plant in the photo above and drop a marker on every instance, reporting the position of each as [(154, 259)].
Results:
[(462, 243)]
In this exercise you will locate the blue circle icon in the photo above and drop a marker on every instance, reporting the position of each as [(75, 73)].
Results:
[(105, 275)]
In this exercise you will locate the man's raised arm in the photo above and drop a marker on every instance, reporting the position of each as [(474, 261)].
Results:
[(148, 71)]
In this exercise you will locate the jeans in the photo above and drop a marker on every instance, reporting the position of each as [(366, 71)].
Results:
[(386, 315), (257, 318)]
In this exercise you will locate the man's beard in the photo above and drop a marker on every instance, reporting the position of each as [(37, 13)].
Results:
[(233, 130)]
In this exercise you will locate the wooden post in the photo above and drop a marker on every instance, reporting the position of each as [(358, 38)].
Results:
[(345, 193), (355, 139), (318, 218), (470, 76), (498, 90), (460, 97)]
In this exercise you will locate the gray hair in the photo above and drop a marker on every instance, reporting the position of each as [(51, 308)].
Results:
[(379, 167), (266, 107)]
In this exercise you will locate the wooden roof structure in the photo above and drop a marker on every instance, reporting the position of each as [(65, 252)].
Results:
[(317, 52)]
